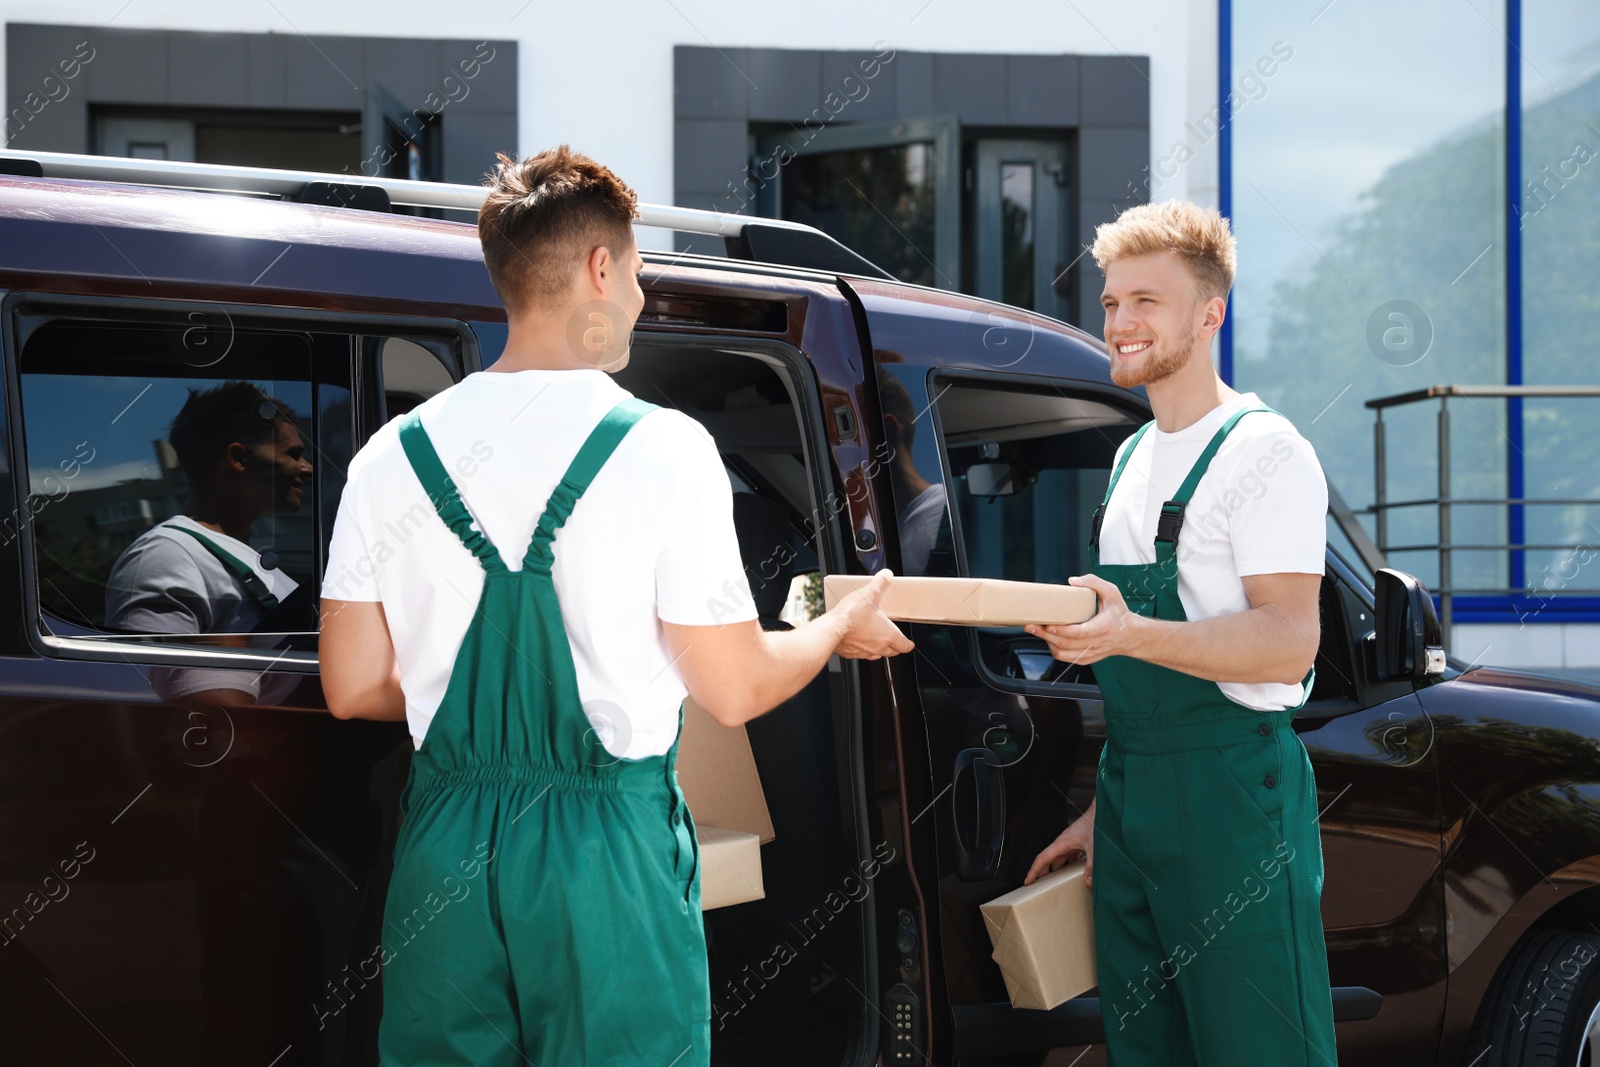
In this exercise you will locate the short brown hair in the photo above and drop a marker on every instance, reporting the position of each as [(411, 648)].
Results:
[(212, 419), (542, 218), (1199, 235)]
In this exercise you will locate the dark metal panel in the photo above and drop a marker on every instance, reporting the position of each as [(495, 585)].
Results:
[(489, 68), (709, 83), (209, 69), (1042, 90), (411, 68), (972, 86), (471, 141), (266, 64), (913, 82), (848, 92), (787, 82), (1115, 90), (324, 71), (1113, 161), (708, 153), (129, 66)]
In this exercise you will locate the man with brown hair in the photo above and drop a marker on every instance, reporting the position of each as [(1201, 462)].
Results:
[(1208, 554), (196, 572), (545, 902)]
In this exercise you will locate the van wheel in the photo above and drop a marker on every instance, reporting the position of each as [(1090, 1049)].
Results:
[(1543, 1008)]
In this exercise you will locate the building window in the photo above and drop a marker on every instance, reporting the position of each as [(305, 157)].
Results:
[(1372, 248), (1558, 222)]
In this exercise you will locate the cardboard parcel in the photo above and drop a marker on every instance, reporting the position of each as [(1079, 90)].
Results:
[(970, 601), (717, 773), (1043, 936)]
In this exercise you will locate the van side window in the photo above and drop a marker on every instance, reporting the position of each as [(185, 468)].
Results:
[(184, 469), (181, 470), (172, 475), (412, 371), (1026, 471)]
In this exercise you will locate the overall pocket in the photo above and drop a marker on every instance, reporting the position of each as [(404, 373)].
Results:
[(1253, 775), (1237, 886)]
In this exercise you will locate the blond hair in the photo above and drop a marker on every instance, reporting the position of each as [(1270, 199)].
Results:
[(1199, 235)]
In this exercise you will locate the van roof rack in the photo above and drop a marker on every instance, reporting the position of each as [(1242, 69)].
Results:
[(763, 240)]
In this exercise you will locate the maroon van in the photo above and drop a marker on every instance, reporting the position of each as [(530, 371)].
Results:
[(190, 880)]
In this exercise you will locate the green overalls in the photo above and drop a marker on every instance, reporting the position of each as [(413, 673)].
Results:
[(545, 901), (1208, 860)]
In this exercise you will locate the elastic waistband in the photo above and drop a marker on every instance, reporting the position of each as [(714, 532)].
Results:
[(1236, 729), (651, 774)]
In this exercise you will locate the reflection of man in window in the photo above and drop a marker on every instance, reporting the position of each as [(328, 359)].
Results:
[(922, 502), (196, 573)]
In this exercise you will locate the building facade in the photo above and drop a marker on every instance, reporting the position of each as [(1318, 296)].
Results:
[(1412, 188)]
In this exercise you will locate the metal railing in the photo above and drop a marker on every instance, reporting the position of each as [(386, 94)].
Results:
[(1445, 546)]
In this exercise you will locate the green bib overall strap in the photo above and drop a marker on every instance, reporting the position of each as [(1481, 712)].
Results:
[(442, 491), (586, 857), (237, 567), (1171, 520)]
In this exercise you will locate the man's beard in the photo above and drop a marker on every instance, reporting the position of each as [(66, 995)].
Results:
[(1160, 361)]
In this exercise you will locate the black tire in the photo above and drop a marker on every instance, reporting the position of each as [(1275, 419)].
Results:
[(1538, 1009)]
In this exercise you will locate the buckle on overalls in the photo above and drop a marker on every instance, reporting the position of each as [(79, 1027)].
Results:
[(1170, 522), (1094, 529)]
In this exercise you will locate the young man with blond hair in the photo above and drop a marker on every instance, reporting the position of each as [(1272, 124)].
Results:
[(545, 901), (1208, 554)]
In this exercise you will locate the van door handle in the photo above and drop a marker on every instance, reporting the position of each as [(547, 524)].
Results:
[(979, 806)]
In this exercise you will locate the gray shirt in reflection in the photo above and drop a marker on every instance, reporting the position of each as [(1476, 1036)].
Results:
[(919, 529), (166, 582)]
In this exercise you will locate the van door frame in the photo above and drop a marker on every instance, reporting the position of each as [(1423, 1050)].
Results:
[(818, 447)]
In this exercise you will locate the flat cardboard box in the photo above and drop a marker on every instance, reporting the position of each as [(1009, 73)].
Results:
[(1043, 936), (717, 773), (970, 601), (730, 867)]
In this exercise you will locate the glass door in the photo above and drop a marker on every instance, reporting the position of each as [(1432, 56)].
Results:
[(1019, 226), (889, 190)]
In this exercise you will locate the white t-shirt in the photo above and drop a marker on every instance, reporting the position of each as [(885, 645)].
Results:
[(1260, 508), (166, 582), (651, 539), (919, 529)]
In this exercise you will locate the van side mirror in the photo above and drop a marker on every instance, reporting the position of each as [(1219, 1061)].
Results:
[(1408, 644)]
